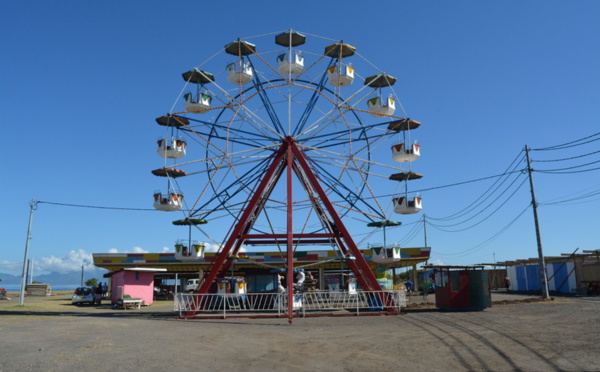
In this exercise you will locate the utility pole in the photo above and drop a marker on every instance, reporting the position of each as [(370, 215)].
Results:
[(33, 206), (30, 271), (538, 235), (425, 228)]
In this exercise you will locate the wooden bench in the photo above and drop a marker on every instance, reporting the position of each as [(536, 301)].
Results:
[(127, 300)]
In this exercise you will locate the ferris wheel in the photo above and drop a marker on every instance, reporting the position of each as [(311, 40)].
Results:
[(287, 135)]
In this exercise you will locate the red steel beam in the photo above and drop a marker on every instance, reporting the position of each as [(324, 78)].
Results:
[(241, 224), (296, 242), (290, 235), (284, 236), (361, 269)]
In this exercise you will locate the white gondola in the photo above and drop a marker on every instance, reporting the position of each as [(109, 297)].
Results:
[(239, 72), (340, 76), (174, 149), (168, 202), (379, 109), (290, 64), (403, 205), (402, 154), (385, 255), (184, 252), (198, 106)]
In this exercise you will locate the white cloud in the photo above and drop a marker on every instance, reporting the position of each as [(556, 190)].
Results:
[(139, 250), (68, 263), (75, 259), (215, 248), (133, 250), (211, 247), (71, 262), (14, 268), (437, 262)]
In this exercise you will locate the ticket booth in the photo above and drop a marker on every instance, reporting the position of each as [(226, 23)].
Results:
[(461, 288)]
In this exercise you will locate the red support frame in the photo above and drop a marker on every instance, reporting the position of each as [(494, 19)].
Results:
[(289, 157)]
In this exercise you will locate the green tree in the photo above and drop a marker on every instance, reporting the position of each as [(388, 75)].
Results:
[(92, 282)]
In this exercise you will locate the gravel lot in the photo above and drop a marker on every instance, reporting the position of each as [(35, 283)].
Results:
[(518, 333)]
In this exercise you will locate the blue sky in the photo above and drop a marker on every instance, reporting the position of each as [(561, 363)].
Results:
[(82, 83)]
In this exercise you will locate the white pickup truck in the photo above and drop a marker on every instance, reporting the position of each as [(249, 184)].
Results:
[(191, 285)]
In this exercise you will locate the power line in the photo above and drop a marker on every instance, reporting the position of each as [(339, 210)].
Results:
[(487, 241), (562, 170), (489, 205), (488, 216), (570, 144), (472, 206), (574, 198), (571, 158), (99, 207), (470, 181)]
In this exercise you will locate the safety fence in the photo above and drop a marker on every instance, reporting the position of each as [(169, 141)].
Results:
[(277, 303)]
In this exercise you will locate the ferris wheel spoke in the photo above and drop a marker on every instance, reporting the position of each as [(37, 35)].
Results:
[(249, 155), (340, 163), (214, 128), (366, 133), (266, 100), (342, 107), (230, 191), (235, 104), (354, 154), (311, 105), (352, 197)]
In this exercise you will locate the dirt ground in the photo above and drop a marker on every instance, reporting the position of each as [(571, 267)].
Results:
[(518, 333)]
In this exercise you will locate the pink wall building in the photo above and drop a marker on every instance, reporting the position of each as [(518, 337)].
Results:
[(136, 282)]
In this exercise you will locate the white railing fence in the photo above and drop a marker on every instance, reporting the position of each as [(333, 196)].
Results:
[(310, 301)]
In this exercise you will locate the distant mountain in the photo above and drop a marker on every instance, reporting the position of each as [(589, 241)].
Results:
[(55, 278), (8, 279)]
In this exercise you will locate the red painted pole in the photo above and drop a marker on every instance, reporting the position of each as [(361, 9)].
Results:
[(290, 237)]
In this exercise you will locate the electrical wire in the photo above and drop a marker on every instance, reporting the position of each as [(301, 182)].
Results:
[(564, 159), (487, 241), (560, 170), (579, 198), (439, 227), (473, 206), (570, 144), (98, 207)]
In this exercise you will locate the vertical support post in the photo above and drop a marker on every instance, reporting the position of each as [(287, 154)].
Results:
[(425, 228), (538, 235), (414, 278), (290, 237), (33, 206), (321, 278)]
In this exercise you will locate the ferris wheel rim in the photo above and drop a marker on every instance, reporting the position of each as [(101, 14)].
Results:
[(266, 86)]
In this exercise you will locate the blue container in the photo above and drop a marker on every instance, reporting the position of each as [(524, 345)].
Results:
[(533, 278)]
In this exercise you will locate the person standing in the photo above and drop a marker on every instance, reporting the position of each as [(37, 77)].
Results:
[(507, 283), (98, 295), (104, 289)]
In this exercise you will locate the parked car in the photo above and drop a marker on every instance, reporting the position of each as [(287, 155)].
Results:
[(83, 295), (191, 285)]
